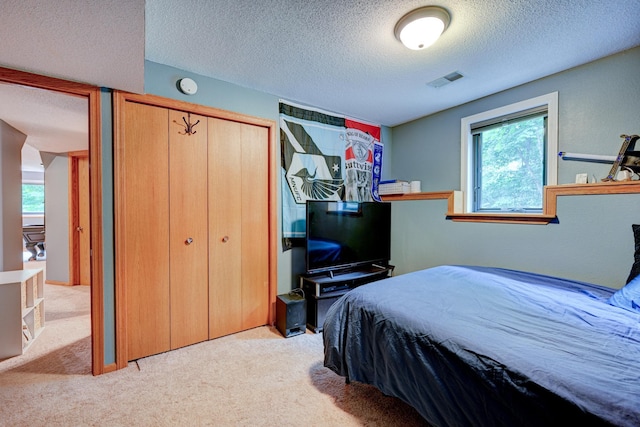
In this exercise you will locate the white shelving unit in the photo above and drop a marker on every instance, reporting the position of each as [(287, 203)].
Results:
[(21, 310)]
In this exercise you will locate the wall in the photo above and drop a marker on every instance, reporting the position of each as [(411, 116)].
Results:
[(162, 80), (108, 271), (592, 241), (11, 142), (56, 213)]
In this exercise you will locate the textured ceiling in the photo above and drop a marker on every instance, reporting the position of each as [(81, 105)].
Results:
[(337, 55), (52, 121), (342, 55), (97, 42)]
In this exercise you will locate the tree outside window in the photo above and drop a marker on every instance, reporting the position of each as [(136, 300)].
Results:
[(32, 198), (510, 165)]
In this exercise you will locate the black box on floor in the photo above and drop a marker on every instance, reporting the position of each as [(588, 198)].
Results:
[(291, 314)]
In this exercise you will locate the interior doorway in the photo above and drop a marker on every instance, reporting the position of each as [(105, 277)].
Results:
[(94, 210), (79, 219)]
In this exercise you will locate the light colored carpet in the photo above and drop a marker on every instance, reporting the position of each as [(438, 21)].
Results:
[(253, 378)]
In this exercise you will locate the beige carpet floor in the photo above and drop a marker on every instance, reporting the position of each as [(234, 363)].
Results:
[(253, 378)]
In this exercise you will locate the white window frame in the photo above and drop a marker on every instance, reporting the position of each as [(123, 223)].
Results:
[(466, 140)]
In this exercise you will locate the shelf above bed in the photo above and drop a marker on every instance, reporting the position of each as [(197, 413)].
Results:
[(455, 211)]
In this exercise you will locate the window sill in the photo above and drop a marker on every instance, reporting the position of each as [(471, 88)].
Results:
[(508, 218), (455, 210)]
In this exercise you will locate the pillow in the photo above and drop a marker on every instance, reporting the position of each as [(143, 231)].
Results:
[(628, 297), (635, 269)]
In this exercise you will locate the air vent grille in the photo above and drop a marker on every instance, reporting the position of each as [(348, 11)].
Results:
[(451, 77)]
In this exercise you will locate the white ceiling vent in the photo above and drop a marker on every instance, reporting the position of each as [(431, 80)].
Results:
[(451, 77)]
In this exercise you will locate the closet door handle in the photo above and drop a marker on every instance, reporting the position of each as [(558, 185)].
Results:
[(188, 241), (225, 239)]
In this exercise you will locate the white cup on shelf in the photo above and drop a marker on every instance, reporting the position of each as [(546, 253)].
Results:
[(414, 186)]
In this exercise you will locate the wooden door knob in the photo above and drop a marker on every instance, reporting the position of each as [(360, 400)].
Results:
[(225, 239), (188, 241)]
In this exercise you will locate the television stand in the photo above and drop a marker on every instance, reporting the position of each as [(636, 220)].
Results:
[(323, 289)]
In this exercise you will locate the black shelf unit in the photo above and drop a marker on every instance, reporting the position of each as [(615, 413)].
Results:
[(322, 290)]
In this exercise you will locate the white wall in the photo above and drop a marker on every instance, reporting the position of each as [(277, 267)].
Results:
[(56, 207), (11, 141)]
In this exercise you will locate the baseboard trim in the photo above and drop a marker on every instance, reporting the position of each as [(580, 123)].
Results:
[(56, 282)]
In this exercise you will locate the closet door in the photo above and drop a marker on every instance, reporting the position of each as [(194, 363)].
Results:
[(238, 227), (254, 170), (143, 215), (189, 288)]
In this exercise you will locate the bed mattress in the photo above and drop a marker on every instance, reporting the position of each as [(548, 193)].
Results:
[(486, 346)]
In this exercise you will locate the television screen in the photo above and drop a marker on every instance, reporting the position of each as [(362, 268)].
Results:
[(347, 234)]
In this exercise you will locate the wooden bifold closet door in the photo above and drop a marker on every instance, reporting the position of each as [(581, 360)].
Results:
[(188, 236), (143, 215), (192, 227), (238, 221), (165, 213)]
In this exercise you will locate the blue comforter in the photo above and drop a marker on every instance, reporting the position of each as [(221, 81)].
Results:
[(483, 346)]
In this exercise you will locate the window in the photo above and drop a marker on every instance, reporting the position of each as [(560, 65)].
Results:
[(32, 198), (509, 155), (509, 167)]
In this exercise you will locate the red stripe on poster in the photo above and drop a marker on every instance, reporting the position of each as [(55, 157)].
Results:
[(372, 130)]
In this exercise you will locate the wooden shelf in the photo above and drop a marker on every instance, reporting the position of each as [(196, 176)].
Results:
[(551, 192), (455, 210), (453, 197)]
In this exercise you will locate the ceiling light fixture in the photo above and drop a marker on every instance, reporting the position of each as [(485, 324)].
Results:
[(420, 28)]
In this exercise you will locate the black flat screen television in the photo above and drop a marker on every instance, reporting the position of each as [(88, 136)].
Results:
[(342, 235)]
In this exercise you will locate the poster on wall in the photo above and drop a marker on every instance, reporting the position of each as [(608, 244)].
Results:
[(325, 156)]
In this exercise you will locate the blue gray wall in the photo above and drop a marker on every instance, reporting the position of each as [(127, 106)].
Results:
[(592, 242), (108, 254), (161, 80)]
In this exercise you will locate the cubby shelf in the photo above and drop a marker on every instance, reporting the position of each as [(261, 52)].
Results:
[(21, 310)]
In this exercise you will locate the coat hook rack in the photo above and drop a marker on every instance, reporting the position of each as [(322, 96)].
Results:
[(188, 126)]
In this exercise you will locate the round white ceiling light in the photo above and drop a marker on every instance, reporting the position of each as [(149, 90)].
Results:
[(421, 27)]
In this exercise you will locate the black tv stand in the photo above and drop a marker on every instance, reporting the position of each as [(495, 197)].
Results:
[(323, 289)]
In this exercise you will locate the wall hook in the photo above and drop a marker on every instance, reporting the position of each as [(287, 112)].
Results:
[(188, 126)]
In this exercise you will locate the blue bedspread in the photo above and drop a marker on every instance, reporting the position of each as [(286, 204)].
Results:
[(483, 346)]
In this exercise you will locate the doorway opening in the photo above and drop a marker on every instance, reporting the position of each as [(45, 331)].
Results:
[(95, 271)]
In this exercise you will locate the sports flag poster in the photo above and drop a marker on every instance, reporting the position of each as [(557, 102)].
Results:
[(324, 157)]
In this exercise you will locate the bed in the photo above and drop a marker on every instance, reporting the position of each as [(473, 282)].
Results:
[(486, 346)]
